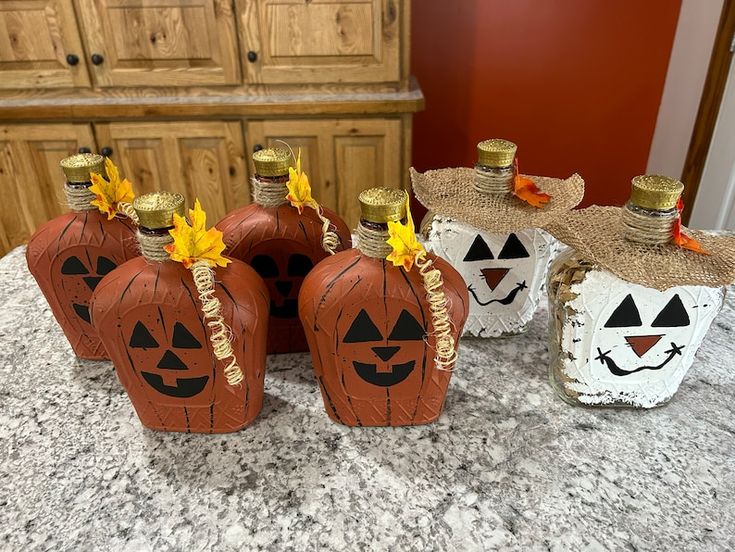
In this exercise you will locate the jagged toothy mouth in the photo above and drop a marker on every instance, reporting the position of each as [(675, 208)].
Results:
[(398, 373), (615, 370), (507, 300)]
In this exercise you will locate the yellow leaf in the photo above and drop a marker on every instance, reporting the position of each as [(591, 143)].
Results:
[(406, 246), (111, 192), (193, 242), (299, 189)]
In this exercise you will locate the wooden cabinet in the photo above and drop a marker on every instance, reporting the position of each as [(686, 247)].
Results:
[(321, 41), (36, 37), (30, 178), (160, 42), (198, 159), (341, 156)]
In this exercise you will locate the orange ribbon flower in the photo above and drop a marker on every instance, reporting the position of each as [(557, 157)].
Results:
[(680, 238), (525, 189)]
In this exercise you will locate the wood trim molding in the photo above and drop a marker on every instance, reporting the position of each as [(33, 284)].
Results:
[(709, 107)]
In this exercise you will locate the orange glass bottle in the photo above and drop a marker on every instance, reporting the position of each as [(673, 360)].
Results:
[(280, 244), (69, 255), (370, 328), (148, 315)]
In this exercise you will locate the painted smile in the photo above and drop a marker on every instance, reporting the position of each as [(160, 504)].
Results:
[(184, 388), (398, 373), (617, 371), (507, 300)]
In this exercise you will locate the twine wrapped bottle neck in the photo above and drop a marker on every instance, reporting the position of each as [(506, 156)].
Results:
[(493, 180), (269, 193), (78, 197), (372, 240), (152, 244), (648, 226)]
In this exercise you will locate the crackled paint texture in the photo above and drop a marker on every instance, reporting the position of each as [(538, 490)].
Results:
[(632, 344), (504, 273)]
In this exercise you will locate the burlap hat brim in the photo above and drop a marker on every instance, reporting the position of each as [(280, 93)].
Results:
[(596, 234), (450, 192)]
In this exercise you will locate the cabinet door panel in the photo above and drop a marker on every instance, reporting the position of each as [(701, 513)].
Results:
[(322, 41), (341, 156), (197, 159), (30, 176), (36, 36), (161, 43)]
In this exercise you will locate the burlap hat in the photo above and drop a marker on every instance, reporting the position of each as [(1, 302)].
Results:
[(597, 234), (450, 192)]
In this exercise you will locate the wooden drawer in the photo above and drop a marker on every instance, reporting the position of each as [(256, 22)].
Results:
[(321, 41), (161, 42), (36, 36), (30, 177), (341, 156), (198, 159)]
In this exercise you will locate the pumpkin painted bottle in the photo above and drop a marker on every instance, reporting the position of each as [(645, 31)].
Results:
[(490, 233), (69, 255), (282, 242), (374, 341), (631, 302), (166, 350)]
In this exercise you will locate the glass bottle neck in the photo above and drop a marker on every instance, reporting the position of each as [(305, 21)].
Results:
[(152, 242), (78, 196), (372, 239), (270, 191)]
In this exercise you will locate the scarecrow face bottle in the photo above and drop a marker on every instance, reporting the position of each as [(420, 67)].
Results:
[(148, 313), (69, 255), (280, 244), (504, 271), (628, 341), (370, 329)]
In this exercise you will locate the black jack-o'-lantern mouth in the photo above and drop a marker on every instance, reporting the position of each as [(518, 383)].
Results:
[(283, 283), (396, 373)]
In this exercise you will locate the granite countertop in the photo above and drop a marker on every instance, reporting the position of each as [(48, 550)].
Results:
[(508, 465)]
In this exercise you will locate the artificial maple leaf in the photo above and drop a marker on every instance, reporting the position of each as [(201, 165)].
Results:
[(194, 242), (680, 238), (111, 192), (526, 190), (406, 246), (299, 189)]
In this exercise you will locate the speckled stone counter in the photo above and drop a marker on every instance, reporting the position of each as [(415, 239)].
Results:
[(507, 466)]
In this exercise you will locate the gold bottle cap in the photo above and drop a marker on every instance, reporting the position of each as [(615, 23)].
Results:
[(383, 205), (659, 193), (496, 153), (156, 210), (77, 167), (272, 162)]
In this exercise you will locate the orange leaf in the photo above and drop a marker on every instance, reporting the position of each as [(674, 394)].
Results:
[(680, 238), (525, 189)]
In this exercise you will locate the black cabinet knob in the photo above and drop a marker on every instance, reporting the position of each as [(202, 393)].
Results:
[(106, 151), (97, 59), (72, 59), (252, 56), (257, 147), (85, 149)]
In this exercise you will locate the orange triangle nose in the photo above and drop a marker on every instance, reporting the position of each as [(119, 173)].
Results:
[(493, 276), (641, 344)]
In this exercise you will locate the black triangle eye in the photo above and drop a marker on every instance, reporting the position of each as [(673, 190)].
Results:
[(142, 338), (299, 265), (183, 339), (362, 329), (625, 315), (105, 266), (73, 266), (407, 328), (513, 249), (673, 315), (265, 266), (478, 251)]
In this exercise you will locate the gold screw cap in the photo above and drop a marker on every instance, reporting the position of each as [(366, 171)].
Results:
[(272, 162), (156, 210), (383, 205), (496, 153), (659, 193), (77, 167)]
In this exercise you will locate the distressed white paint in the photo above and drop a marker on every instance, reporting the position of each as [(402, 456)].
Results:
[(451, 240), (584, 337)]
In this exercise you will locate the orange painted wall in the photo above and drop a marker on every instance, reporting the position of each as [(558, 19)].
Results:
[(575, 83)]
